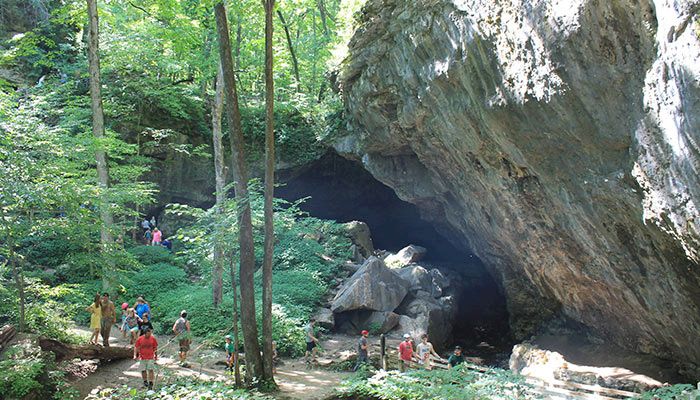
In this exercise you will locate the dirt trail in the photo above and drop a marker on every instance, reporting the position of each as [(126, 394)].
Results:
[(295, 379)]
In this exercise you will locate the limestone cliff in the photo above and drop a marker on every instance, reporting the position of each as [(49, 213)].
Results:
[(556, 139)]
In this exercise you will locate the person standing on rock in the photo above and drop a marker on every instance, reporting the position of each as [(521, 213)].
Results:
[(425, 350), (109, 317), (310, 341), (146, 351), (362, 350), (405, 353), (181, 328)]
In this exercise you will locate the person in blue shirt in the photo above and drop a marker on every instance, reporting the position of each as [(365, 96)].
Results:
[(142, 309)]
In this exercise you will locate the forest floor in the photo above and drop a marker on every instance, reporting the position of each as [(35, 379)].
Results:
[(294, 378)]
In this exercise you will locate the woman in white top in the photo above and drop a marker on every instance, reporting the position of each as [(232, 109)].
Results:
[(424, 350)]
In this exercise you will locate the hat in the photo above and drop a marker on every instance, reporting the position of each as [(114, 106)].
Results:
[(364, 333), (227, 337), (125, 306), (406, 336), (458, 348), (140, 299)]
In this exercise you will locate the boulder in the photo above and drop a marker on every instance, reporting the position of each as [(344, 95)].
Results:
[(417, 277), (374, 321), (425, 314), (325, 318), (373, 287), (439, 279), (361, 237), (405, 256)]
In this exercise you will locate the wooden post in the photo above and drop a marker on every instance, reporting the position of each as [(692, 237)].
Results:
[(382, 351)]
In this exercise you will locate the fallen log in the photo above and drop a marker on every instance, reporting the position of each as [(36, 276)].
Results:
[(7, 332), (85, 352)]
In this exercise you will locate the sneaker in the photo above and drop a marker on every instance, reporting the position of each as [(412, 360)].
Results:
[(150, 385), (145, 384)]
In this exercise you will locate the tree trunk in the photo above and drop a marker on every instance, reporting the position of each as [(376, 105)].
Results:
[(245, 225), (322, 11), (269, 193), (98, 130), (290, 46), (216, 113), (85, 352), (236, 363), (19, 282)]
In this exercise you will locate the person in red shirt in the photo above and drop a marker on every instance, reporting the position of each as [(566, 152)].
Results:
[(145, 350), (405, 352)]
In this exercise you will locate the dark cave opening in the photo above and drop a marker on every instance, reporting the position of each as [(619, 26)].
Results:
[(342, 190)]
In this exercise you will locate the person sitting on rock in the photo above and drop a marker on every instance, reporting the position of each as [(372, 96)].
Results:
[(455, 358), (405, 353)]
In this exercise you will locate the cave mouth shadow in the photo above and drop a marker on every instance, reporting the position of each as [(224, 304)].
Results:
[(342, 190)]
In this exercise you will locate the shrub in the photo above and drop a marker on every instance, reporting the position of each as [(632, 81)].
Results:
[(149, 255), (157, 278), (184, 389)]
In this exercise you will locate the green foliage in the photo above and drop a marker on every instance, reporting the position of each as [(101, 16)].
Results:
[(184, 389), (456, 384), (21, 371), (674, 392), (149, 255), (156, 278)]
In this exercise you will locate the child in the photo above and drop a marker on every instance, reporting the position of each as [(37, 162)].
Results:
[(123, 327), (95, 319), (145, 324), (132, 325), (230, 358)]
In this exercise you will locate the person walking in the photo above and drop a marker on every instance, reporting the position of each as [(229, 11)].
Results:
[(109, 317), (95, 309), (456, 358), (425, 350), (131, 325), (362, 350), (310, 341), (145, 225), (157, 236), (230, 353), (181, 328), (125, 314), (152, 222), (142, 308), (147, 237), (405, 353), (146, 351)]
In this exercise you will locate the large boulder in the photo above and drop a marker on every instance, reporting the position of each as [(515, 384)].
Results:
[(373, 287), (374, 321), (418, 278), (325, 318), (406, 256), (423, 313), (361, 237)]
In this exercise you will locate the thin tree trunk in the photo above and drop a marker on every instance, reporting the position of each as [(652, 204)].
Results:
[(290, 46), (322, 11), (236, 364), (269, 193), (216, 114), (245, 225), (19, 282), (98, 130)]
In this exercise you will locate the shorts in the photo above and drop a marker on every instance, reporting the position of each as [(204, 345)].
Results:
[(310, 346), (185, 345), (147, 365), (134, 329)]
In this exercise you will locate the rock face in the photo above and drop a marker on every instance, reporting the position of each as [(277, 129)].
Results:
[(405, 256), (557, 140), (373, 287)]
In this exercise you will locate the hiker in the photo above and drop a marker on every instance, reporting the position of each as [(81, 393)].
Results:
[(310, 341), (142, 308), (145, 350), (147, 236), (152, 222), (157, 236), (125, 313), (275, 357), (109, 317), (230, 353), (131, 325), (455, 358), (145, 324), (168, 244), (181, 328), (405, 353), (425, 350), (362, 350), (95, 310), (145, 225)]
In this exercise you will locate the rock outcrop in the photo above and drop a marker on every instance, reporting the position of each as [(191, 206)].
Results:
[(557, 140), (373, 287)]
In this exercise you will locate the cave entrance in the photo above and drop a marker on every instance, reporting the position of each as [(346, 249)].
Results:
[(342, 190)]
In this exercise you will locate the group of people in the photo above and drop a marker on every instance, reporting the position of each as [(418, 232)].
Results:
[(136, 323), (152, 236), (408, 356)]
